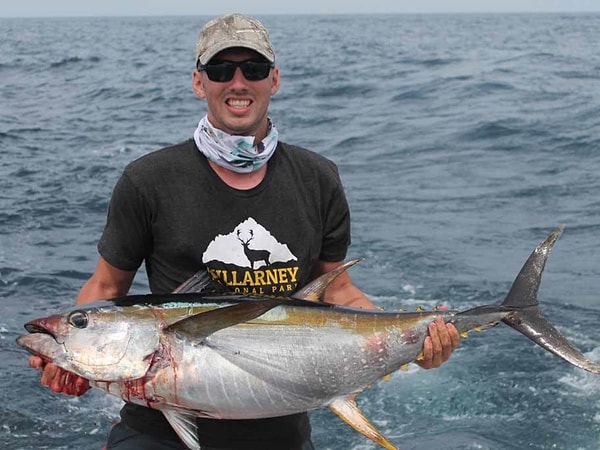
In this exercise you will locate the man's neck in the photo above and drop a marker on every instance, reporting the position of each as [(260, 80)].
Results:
[(241, 181)]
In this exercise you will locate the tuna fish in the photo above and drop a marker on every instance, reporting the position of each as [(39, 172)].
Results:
[(202, 353)]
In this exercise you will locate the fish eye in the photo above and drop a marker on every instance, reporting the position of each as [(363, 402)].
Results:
[(78, 319)]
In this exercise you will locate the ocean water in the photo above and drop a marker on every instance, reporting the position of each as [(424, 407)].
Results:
[(462, 141)]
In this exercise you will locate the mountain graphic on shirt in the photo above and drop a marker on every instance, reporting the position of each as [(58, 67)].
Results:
[(249, 245)]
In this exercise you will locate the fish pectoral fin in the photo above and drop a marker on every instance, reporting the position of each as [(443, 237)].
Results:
[(347, 410), (313, 291), (183, 423), (199, 326)]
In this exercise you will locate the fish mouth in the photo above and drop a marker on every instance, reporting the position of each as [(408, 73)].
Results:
[(32, 328), (37, 327), (43, 345)]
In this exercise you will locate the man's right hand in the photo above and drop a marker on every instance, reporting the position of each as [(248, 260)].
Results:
[(59, 380)]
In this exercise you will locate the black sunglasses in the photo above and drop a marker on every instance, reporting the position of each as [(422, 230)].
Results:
[(221, 71)]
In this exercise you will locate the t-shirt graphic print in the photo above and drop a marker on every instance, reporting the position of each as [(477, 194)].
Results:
[(250, 260)]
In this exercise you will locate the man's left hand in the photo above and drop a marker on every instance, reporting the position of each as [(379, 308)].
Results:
[(442, 341)]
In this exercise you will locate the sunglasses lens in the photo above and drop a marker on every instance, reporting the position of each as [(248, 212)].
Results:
[(255, 70), (222, 71)]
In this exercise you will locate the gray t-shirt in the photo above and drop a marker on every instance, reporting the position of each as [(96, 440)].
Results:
[(170, 210)]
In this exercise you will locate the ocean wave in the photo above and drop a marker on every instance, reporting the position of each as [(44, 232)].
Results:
[(435, 62), (73, 60), (490, 131), (421, 93)]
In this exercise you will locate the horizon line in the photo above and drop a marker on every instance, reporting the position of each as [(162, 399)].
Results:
[(355, 13)]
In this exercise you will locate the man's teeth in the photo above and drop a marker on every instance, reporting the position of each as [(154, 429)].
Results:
[(239, 103)]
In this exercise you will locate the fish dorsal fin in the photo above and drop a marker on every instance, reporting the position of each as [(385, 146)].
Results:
[(200, 283), (199, 326), (314, 290), (347, 410), (183, 423)]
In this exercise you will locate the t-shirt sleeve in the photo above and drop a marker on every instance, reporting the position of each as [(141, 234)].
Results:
[(336, 233), (127, 234)]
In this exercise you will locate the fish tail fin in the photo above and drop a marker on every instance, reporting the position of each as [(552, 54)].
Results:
[(525, 316)]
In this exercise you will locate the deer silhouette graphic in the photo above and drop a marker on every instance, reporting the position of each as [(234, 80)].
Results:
[(253, 255)]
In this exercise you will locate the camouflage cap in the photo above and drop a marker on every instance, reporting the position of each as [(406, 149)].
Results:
[(233, 30)]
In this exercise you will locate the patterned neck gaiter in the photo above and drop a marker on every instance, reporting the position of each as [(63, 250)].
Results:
[(237, 153)]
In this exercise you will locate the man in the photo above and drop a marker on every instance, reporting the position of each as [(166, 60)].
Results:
[(262, 216)]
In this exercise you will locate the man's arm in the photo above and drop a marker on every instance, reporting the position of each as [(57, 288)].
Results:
[(106, 282), (438, 346)]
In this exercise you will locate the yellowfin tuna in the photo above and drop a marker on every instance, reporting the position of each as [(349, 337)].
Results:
[(201, 353)]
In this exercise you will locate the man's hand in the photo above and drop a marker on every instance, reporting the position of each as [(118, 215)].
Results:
[(442, 341), (59, 380)]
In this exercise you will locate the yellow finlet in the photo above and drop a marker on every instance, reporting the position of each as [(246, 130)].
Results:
[(420, 309), (404, 367), (464, 334)]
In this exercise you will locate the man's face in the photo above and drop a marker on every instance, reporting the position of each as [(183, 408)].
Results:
[(238, 106)]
